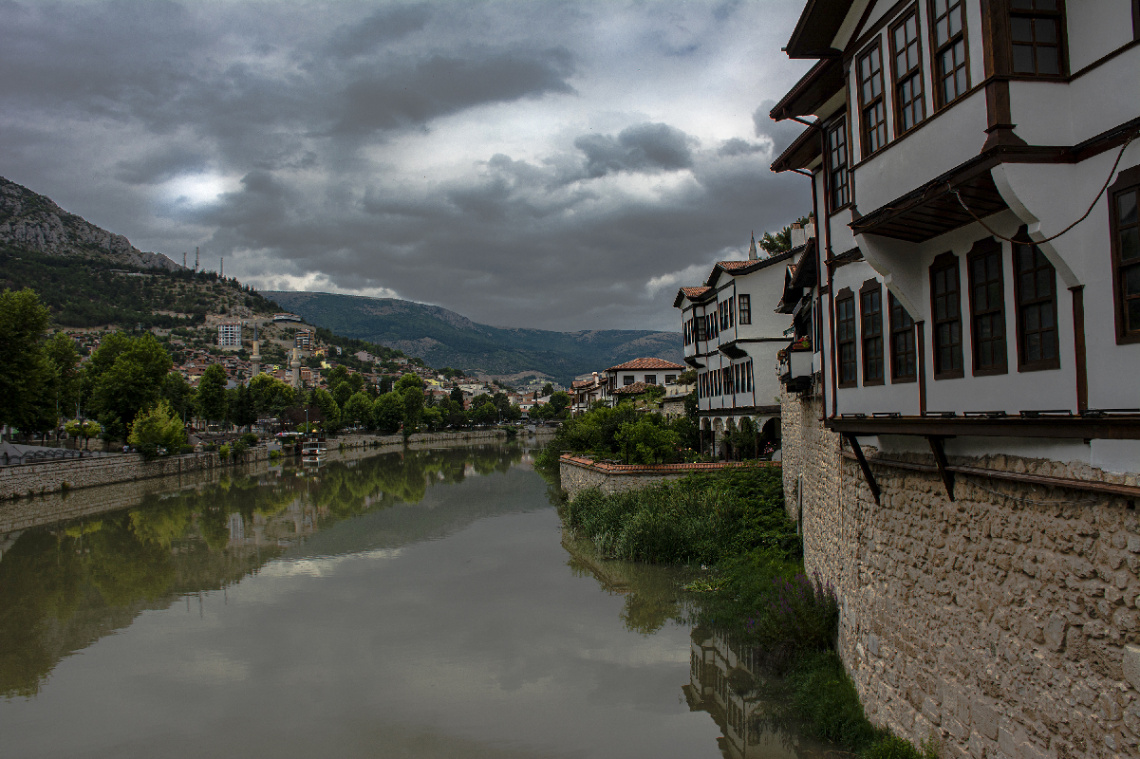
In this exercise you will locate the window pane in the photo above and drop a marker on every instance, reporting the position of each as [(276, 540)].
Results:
[(1045, 30), (1130, 244), (1126, 207), (1048, 60), (1132, 280), (1134, 315), (1021, 29)]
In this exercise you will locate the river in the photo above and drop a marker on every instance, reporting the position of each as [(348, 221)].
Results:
[(414, 604)]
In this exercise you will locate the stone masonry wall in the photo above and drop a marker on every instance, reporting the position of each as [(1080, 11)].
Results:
[(578, 474), (1004, 623)]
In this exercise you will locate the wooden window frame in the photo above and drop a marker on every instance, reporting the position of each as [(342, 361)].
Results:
[(838, 175), (1022, 239), (1126, 181), (744, 308), (982, 249), (936, 51), (907, 333), (1136, 19), (913, 74), (871, 334), (843, 297), (946, 262), (1062, 40), (877, 104)]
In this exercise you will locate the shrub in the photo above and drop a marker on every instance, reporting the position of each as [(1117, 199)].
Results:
[(798, 614), (223, 452), (238, 450), (157, 430), (250, 439)]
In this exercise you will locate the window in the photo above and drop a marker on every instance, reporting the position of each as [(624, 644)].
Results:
[(845, 337), (910, 107), (946, 309), (744, 307), (651, 379), (722, 308), (1035, 291), (1036, 35), (627, 379), (872, 106), (700, 322), (951, 78), (670, 379), (904, 356), (751, 384), (871, 321), (987, 307), (837, 164), (1125, 196)]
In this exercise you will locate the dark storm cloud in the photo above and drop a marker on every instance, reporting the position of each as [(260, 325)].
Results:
[(644, 147), (525, 163), (444, 85), (383, 26)]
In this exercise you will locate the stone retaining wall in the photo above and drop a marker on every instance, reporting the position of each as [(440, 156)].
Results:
[(1004, 623), (578, 473)]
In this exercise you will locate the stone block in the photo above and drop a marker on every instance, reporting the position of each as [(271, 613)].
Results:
[(1055, 632), (984, 719), (1131, 664)]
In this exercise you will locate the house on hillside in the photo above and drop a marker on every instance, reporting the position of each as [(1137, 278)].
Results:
[(962, 371), (651, 371), (585, 392), (732, 337)]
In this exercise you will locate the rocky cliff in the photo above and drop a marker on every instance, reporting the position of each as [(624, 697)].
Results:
[(32, 221)]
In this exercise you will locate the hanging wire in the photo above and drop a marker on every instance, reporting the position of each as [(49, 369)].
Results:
[(1092, 205)]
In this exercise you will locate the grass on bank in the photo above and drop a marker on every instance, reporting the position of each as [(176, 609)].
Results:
[(734, 523)]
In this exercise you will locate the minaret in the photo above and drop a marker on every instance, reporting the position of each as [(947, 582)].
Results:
[(752, 252), (255, 359), (296, 366)]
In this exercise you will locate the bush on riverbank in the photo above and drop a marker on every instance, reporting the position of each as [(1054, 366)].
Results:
[(734, 521), (623, 432)]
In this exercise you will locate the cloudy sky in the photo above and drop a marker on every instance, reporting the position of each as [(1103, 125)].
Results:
[(563, 165)]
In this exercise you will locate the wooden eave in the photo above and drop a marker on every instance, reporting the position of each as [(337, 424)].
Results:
[(933, 209), (1085, 427), (808, 95), (816, 29), (802, 153), (732, 350)]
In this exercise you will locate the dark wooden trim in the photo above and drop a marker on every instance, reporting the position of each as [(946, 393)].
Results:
[(864, 153), (1135, 21), (1072, 428), (937, 93), (1023, 365), (897, 20), (867, 474), (1079, 348), (943, 466), (1068, 483), (862, 37), (844, 295), (986, 247), (920, 338), (1125, 180), (870, 286), (899, 379), (946, 261)]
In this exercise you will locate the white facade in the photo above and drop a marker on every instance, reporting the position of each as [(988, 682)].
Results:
[(1026, 320), (732, 337)]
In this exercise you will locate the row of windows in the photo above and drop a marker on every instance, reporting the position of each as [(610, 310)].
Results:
[(728, 313), (1036, 48), (1035, 303), (730, 380), (650, 379)]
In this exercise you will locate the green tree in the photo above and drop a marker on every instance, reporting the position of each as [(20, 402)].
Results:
[(388, 413), (177, 392), (130, 381), (559, 402), (64, 361), (485, 414), (240, 410), (25, 370), (643, 442), (358, 409), (271, 397), (547, 389), (157, 430), (212, 394), (411, 390), (457, 395), (329, 408)]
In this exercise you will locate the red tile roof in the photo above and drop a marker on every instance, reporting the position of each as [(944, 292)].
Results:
[(734, 265), (645, 363), (694, 292)]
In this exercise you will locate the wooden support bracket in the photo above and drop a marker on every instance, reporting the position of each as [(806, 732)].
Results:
[(867, 475), (943, 467)]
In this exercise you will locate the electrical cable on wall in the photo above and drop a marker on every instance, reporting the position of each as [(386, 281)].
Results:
[(1092, 205)]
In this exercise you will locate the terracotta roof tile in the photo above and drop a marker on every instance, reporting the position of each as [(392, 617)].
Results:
[(645, 363), (694, 292)]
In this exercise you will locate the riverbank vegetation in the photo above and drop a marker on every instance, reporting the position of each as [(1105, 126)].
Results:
[(625, 433), (734, 525)]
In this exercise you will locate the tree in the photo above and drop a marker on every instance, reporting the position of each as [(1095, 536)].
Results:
[(25, 370), (411, 390), (240, 410), (388, 412), (271, 396), (329, 408), (177, 392), (212, 393), (559, 402), (781, 242), (64, 361), (157, 430), (127, 380), (547, 389), (485, 414), (643, 442), (457, 395), (358, 410)]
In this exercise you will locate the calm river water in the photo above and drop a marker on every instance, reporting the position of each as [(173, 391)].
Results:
[(418, 604)]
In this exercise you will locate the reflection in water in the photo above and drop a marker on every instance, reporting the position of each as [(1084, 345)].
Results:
[(64, 586)]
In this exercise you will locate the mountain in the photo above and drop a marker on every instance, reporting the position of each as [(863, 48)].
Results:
[(445, 338), (33, 222)]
